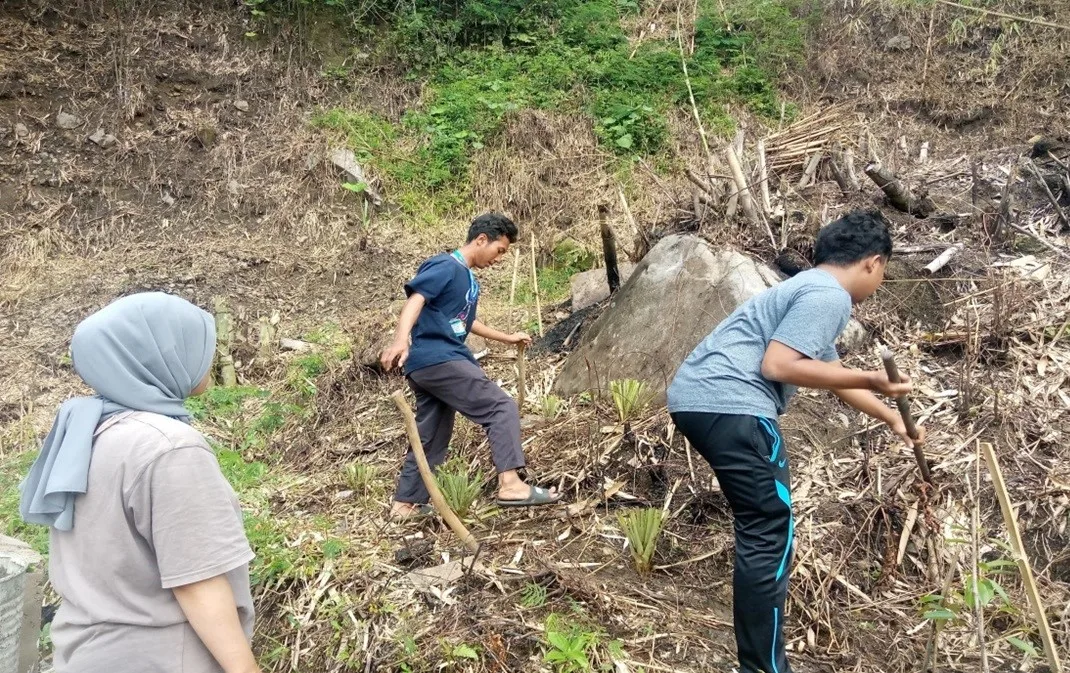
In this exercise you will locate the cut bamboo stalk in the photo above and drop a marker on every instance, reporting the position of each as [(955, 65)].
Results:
[(811, 170), (437, 499), (1024, 568), (224, 321), (763, 176), (535, 285), (944, 257), (512, 289), (268, 338), (849, 166), (609, 250), (838, 174), (522, 378), (741, 186)]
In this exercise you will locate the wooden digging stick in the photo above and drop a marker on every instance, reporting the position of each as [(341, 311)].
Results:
[(522, 378), (437, 498), (904, 411), (1021, 559)]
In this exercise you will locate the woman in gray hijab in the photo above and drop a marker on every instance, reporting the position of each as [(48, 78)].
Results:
[(147, 549)]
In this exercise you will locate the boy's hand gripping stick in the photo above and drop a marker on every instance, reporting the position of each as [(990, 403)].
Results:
[(904, 411)]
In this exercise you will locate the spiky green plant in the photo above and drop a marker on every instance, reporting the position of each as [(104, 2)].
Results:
[(459, 487), (642, 528), (551, 406), (629, 398), (360, 476)]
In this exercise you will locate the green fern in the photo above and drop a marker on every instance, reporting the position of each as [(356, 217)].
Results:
[(642, 528)]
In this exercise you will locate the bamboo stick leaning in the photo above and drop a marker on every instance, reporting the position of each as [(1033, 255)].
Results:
[(437, 499)]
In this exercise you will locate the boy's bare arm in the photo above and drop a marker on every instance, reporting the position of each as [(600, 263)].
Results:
[(398, 351), (787, 365), (487, 332)]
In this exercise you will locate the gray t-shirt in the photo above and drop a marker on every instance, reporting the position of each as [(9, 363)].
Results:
[(723, 375), (157, 513)]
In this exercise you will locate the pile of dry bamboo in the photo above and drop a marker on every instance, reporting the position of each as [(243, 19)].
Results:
[(793, 147)]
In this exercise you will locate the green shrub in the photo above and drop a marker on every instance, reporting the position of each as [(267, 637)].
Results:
[(595, 26)]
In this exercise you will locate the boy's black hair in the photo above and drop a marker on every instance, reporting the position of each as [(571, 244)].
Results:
[(494, 225), (853, 237)]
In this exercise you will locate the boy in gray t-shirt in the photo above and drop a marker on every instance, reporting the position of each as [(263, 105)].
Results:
[(728, 393)]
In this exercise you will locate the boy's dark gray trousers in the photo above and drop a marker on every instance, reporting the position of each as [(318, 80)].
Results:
[(443, 390), (751, 463)]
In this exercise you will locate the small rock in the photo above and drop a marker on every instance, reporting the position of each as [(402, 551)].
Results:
[(295, 345), (67, 121), (899, 43), (102, 139), (343, 495), (168, 199), (234, 188), (347, 161), (21, 131), (242, 105), (206, 136)]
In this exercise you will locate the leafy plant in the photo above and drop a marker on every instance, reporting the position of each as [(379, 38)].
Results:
[(630, 128), (533, 596), (458, 486), (630, 397), (642, 527), (981, 592), (551, 406), (570, 645)]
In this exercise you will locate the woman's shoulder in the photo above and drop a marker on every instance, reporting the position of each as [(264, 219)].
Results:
[(149, 433)]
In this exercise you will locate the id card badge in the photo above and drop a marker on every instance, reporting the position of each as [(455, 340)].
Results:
[(458, 327)]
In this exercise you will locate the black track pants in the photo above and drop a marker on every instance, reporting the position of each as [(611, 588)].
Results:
[(751, 463)]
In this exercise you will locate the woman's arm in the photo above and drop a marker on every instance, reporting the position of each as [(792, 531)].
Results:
[(210, 608)]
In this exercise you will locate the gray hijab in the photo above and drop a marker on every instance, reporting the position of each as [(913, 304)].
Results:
[(144, 352)]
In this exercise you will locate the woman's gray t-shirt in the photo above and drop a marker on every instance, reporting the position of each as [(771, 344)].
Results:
[(723, 375), (157, 514)]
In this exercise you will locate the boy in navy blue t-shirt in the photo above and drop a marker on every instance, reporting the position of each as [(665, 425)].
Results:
[(729, 392), (439, 314)]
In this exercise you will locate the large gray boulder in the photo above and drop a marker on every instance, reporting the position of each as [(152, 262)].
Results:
[(677, 295)]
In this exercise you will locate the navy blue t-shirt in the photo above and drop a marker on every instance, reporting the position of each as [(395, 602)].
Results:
[(450, 293)]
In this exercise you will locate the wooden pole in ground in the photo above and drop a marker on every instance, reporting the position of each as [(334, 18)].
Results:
[(763, 177), (437, 499), (535, 285), (904, 411), (609, 251), (512, 289), (522, 377), (1020, 557), (742, 190)]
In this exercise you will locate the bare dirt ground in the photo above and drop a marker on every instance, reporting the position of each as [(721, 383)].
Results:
[(215, 186)]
